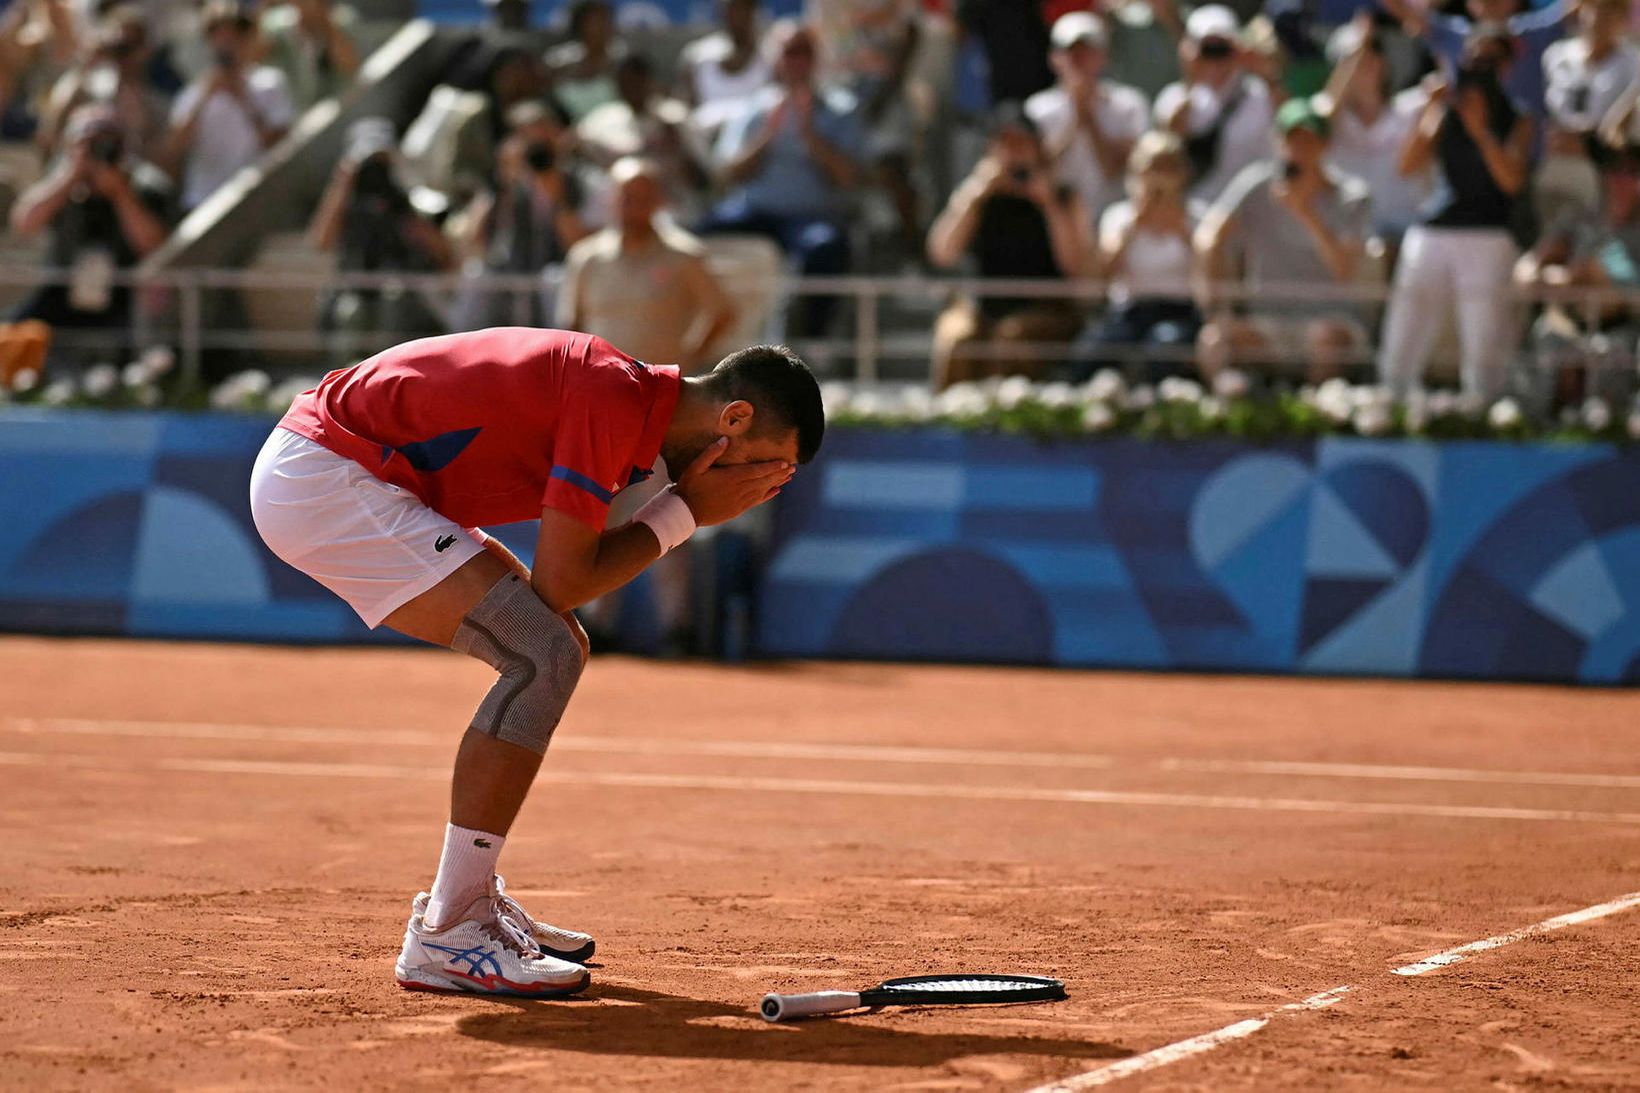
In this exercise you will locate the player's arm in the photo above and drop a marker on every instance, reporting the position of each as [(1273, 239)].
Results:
[(574, 563)]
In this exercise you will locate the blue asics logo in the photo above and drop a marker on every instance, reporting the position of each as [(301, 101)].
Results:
[(480, 961)]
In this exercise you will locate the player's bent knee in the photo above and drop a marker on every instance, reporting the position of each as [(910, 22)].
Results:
[(537, 654)]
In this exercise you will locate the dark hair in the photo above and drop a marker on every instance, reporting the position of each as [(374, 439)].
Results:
[(582, 10), (774, 379), (1010, 114)]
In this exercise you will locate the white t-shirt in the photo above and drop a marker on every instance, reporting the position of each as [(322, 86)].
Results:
[(1372, 153), (1246, 138), (1578, 93), (1122, 114), (226, 139), (1154, 266), (705, 57)]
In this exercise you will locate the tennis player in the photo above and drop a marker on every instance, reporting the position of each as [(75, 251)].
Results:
[(375, 484)]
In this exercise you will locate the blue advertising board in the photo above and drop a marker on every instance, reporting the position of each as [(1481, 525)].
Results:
[(1337, 556), (1401, 558)]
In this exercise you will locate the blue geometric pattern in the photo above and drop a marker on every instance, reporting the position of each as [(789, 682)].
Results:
[(139, 523), (1464, 559)]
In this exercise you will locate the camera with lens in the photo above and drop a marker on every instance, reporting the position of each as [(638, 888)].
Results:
[(540, 157), (375, 184), (106, 147)]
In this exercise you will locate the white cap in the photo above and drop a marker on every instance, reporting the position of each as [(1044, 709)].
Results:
[(1079, 26), (1212, 21)]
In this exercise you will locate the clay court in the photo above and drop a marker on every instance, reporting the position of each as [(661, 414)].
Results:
[(212, 849)]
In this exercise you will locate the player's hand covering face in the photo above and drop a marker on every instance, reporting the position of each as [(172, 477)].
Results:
[(738, 469)]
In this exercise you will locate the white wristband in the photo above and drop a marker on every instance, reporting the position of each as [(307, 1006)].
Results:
[(668, 516)]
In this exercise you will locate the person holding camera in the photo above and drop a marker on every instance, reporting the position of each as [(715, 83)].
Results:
[(1145, 255), (525, 222), (104, 211), (1222, 107), (231, 114), (116, 73), (366, 218), (1460, 254), (1014, 220), (1296, 224)]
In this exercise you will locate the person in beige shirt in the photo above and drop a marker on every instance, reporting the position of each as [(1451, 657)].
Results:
[(643, 283)]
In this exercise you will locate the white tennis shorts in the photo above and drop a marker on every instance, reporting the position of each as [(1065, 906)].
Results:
[(372, 543)]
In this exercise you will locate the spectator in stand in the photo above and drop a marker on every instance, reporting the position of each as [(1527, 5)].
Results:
[(1088, 123), (453, 143), (643, 283), (312, 43), (527, 223), (1222, 107), (1586, 77), (725, 70), (1014, 37), (508, 17), (869, 46), (1013, 220), (1145, 253), (231, 114), (103, 210), (643, 122), (788, 164), (366, 218), (115, 74), (1593, 250), (1459, 256), (1144, 43), (1533, 30), (1370, 126), (583, 69), (39, 41), (1297, 223)]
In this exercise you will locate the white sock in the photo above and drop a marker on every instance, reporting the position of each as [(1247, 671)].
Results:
[(464, 872)]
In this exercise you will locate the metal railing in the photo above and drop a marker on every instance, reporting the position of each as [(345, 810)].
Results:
[(171, 306)]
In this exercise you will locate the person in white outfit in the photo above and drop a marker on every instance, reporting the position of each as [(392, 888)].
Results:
[(1458, 258), (1088, 123), (1223, 107), (1371, 124), (227, 118)]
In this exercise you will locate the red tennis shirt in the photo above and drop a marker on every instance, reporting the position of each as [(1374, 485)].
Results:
[(492, 426)]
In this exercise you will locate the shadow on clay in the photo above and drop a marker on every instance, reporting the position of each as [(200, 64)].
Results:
[(656, 1025)]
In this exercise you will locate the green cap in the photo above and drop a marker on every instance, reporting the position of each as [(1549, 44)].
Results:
[(1300, 113)]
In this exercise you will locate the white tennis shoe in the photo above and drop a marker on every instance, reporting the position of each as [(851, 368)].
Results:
[(555, 941), (571, 945), (485, 952)]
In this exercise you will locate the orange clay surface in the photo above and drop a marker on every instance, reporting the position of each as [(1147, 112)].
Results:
[(210, 853)]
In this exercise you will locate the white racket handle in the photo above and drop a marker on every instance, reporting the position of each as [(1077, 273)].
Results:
[(779, 1007)]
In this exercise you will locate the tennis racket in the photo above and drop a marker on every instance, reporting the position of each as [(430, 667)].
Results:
[(917, 990)]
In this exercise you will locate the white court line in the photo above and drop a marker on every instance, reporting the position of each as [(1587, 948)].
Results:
[(1548, 925), (1402, 773), (751, 749), (843, 752), (1207, 1041), (927, 790), (1184, 1049)]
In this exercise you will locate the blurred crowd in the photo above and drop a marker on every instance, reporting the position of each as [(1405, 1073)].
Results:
[(1296, 188)]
